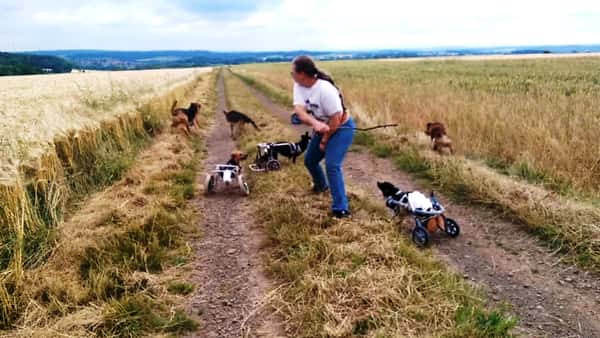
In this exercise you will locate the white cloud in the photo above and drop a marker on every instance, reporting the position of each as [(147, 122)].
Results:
[(294, 24)]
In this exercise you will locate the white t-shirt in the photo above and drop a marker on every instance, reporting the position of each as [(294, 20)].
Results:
[(322, 100)]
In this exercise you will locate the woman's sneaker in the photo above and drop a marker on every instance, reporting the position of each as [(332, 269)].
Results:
[(341, 213)]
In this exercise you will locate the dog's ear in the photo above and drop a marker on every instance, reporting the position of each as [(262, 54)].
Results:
[(428, 128), (225, 112), (243, 156)]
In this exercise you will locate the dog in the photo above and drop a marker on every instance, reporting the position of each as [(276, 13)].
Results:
[(237, 119), (180, 121), (236, 158), (439, 138), (185, 119), (401, 198), (292, 150)]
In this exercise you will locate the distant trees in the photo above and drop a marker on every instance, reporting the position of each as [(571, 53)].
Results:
[(26, 64)]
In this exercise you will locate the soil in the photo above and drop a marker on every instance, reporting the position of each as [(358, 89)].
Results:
[(232, 289)]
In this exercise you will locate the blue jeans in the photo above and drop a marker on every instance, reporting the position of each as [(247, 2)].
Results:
[(334, 154)]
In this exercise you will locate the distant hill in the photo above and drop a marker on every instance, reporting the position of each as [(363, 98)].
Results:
[(120, 60), (26, 64)]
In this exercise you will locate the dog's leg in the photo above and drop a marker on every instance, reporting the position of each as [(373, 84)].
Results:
[(236, 131), (183, 129), (241, 128), (196, 126)]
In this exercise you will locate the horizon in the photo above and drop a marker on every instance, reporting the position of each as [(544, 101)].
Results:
[(432, 48)]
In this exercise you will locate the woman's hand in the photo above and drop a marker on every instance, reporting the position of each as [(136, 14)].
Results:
[(317, 125), (320, 127), (322, 145)]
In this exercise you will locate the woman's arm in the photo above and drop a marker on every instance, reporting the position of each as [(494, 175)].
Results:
[(305, 117), (334, 122)]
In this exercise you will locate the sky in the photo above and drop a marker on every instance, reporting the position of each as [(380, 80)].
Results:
[(259, 25)]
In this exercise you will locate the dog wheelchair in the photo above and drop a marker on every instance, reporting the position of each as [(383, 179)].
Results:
[(226, 174), (266, 158), (427, 213)]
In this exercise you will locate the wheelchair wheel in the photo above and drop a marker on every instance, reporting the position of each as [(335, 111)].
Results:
[(209, 184), (244, 188), (273, 165), (451, 227), (420, 236)]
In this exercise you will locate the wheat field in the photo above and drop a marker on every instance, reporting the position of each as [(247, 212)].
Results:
[(524, 131), (36, 109), (534, 118), (62, 137)]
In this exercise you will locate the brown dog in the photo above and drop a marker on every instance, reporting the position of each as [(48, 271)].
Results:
[(185, 119), (180, 121), (236, 158), (439, 138)]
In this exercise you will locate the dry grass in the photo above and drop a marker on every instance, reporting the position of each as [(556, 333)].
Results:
[(108, 255), (563, 218), (356, 277)]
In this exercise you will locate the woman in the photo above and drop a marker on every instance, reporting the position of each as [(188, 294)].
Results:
[(318, 103)]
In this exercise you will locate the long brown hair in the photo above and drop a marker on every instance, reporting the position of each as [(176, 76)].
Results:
[(305, 64)]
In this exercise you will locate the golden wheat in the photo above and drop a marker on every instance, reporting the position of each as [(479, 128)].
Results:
[(60, 136), (536, 119), (533, 120), (37, 109), (52, 296)]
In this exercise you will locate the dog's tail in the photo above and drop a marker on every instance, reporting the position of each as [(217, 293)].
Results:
[(249, 120), (173, 107)]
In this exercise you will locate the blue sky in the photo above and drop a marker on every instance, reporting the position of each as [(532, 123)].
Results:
[(290, 24)]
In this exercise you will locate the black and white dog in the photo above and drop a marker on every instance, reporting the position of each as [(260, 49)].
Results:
[(395, 198), (291, 150), (412, 201)]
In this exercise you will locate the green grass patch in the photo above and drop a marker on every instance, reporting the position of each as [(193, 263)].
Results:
[(139, 315), (472, 322), (181, 288)]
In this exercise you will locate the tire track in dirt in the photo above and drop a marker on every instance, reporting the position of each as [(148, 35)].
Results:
[(230, 283), (550, 298)]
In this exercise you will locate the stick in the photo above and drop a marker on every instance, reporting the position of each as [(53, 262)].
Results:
[(371, 128)]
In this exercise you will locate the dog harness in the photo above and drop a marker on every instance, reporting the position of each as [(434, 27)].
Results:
[(399, 199), (294, 148), (413, 201)]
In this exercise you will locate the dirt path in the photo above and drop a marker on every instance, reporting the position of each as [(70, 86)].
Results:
[(551, 299), (230, 284)]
